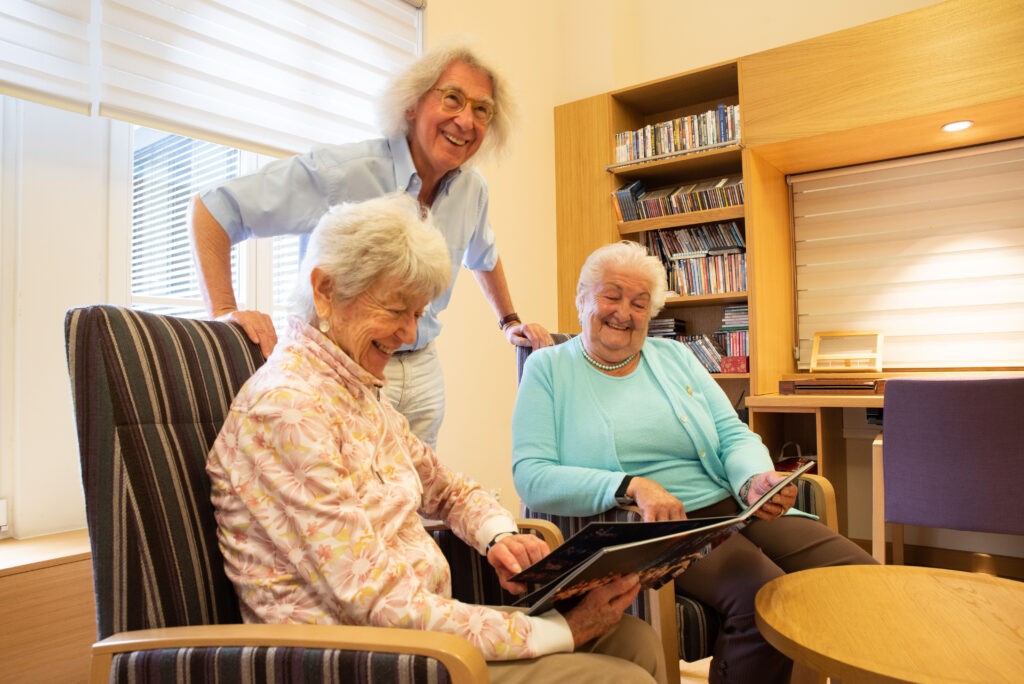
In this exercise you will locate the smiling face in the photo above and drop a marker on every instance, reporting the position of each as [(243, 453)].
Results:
[(440, 140), (615, 314), (373, 325)]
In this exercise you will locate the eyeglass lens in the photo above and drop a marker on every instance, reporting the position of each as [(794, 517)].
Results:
[(454, 101)]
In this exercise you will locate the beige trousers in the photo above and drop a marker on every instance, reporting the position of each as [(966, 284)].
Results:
[(629, 652)]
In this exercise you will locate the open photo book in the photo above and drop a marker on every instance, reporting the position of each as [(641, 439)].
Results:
[(604, 551)]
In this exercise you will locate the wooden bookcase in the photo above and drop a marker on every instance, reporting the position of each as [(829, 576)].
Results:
[(584, 151)]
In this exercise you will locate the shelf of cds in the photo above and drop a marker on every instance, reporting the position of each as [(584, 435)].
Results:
[(707, 259)]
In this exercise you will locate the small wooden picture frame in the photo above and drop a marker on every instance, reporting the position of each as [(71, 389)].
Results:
[(848, 350)]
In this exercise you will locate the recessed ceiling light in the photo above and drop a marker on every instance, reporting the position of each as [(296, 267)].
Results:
[(957, 126)]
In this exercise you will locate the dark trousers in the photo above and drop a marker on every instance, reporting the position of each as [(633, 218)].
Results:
[(728, 578)]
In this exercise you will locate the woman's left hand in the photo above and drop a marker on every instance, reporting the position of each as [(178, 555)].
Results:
[(513, 554), (528, 335), (780, 503)]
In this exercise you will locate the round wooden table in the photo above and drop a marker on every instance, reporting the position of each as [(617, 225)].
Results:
[(882, 623)]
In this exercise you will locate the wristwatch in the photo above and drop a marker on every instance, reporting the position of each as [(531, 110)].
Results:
[(497, 538), (621, 497)]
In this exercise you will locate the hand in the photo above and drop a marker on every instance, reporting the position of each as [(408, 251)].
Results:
[(257, 325), (655, 503), (778, 504), (528, 335), (601, 608), (512, 554)]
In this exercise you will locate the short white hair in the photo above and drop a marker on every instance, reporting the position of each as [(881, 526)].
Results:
[(358, 243), (405, 90), (628, 256)]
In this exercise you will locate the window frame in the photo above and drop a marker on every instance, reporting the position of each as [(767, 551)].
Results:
[(256, 256)]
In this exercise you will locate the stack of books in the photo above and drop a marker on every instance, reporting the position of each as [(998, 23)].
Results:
[(666, 327), (706, 351), (704, 259), (633, 202), (716, 127), (733, 338)]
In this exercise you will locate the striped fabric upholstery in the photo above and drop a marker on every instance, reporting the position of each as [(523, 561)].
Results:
[(267, 664), (698, 624), (150, 395)]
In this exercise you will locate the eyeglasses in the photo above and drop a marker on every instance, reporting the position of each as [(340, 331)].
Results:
[(454, 101)]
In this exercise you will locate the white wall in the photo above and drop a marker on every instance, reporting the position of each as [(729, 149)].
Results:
[(53, 221)]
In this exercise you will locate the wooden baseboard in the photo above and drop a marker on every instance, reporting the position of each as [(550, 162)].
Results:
[(1010, 567)]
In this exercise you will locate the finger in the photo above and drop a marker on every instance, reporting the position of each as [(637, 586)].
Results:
[(505, 558)]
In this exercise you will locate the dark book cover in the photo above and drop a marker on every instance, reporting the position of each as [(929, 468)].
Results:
[(604, 551)]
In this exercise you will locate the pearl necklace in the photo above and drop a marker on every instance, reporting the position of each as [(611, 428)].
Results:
[(602, 366)]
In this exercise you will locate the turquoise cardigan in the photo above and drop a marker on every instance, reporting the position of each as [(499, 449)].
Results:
[(563, 448)]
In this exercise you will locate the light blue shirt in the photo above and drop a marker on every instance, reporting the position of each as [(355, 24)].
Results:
[(288, 197)]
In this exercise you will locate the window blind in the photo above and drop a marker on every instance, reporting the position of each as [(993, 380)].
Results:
[(929, 250), (167, 170), (45, 52), (273, 76)]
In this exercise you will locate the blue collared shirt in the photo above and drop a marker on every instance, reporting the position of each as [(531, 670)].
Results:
[(288, 197)]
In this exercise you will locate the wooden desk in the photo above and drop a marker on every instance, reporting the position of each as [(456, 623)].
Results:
[(882, 623), (815, 422)]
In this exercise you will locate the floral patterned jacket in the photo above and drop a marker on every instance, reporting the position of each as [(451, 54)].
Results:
[(318, 486)]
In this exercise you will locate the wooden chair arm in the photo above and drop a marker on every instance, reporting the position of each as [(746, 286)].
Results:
[(825, 493), (463, 661), (547, 531)]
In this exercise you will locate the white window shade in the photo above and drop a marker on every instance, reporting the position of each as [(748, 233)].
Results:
[(168, 170), (45, 52), (929, 250), (272, 76)]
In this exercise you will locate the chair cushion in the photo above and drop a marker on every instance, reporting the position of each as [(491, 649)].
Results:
[(245, 665)]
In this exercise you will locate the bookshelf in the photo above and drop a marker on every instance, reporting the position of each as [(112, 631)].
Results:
[(897, 87), (587, 175)]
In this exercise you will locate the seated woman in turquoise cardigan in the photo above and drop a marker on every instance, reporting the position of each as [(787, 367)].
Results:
[(615, 417)]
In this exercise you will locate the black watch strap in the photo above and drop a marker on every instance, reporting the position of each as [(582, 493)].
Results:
[(497, 538), (621, 497)]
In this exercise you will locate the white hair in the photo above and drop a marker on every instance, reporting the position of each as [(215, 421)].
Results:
[(405, 90), (358, 243), (623, 255)]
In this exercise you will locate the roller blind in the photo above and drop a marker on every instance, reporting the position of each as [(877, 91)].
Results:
[(45, 52), (929, 250), (271, 76)]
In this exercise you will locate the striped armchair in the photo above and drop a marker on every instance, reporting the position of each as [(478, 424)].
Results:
[(150, 395), (687, 627)]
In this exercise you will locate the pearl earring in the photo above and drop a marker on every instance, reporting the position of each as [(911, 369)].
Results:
[(325, 326)]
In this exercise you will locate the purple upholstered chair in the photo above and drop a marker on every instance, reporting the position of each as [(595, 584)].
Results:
[(953, 458)]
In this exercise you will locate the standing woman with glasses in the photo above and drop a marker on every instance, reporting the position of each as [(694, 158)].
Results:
[(437, 115)]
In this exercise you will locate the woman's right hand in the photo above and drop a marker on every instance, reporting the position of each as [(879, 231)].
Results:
[(654, 502), (601, 608)]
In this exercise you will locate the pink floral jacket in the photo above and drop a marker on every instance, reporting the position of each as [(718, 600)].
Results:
[(318, 487)]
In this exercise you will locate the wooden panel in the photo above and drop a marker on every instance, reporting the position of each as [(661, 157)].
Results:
[(713, 83), (48, 624), (585, 217), (769, 273), (956, 54)]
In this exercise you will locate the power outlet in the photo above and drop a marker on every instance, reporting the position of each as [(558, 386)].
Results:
[(3, 516)]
